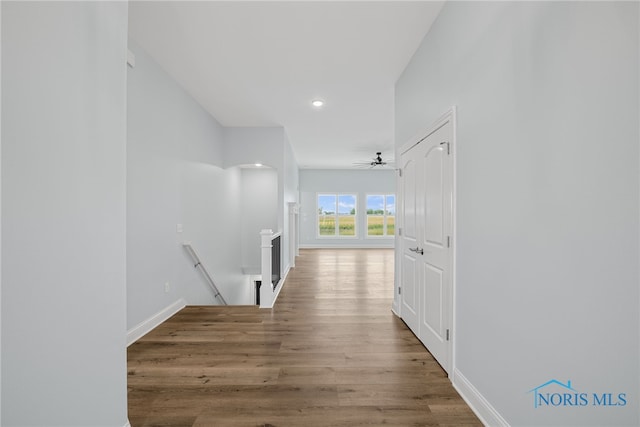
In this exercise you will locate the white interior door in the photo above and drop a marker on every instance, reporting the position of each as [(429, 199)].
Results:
[(427, 239), (435, 260), (410, 290)]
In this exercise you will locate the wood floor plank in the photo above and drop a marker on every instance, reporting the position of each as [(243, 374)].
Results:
[(199, 375), (330, 353), (316, 417)]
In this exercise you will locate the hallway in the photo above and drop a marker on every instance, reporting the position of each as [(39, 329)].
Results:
[(330, 353)]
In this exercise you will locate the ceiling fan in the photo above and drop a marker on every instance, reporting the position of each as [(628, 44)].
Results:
[(375, 162)]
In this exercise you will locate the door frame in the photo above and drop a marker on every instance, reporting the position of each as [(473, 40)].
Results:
[(449, 116)]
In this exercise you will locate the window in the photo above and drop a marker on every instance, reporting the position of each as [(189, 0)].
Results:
[(337, 215), (381, 215)]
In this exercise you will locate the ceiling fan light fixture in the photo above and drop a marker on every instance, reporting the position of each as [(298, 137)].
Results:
[(375, 161)]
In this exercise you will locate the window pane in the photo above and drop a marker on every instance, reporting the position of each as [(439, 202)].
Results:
[(375, 218), (347, 215), (326, 214), (391, 204), (391, 225), (347, 204), (375, 225), (327, 225), (326, 204), (375, 205), (391, 215), (347, 225)]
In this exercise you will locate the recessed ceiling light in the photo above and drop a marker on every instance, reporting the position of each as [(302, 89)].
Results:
[(318, 103)]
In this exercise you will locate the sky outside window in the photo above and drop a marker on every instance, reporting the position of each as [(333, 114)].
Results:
[(327, 203), (346, 204), (375, 203)]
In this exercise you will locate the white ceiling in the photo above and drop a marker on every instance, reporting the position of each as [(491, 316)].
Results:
[(261, 63)]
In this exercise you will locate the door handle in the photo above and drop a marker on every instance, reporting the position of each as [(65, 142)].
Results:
[(417, 250)]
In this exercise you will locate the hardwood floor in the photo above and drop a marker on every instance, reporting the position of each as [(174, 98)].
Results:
[(330, 353)]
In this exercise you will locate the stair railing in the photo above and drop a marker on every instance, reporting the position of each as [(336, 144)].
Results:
[(270, 267), (198, 264)]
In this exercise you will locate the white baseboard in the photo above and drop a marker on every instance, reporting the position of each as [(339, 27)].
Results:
[(394, 308), (128, 424), (476, 401), (143, 328)]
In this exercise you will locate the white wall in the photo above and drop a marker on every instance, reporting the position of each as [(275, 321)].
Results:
[(63, 213), (175, 176), (210, 214), (259, 210), (290, 194), (269, 146), (547, 227), (245, 146), (359, 182)]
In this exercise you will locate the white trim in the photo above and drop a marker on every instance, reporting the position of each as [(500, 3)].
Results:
[(279, 287), (146, 326), (293, 232), (1, 229), (449, 115), (280, 284), (131, 59), (452, 114), (394, 308), (477, 402), (128, 424), (266, 245)]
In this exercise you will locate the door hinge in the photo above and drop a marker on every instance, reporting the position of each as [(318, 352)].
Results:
[(399, 231), (448, 146), (448, 241), (399, 290), (447, 335), (400, 172)]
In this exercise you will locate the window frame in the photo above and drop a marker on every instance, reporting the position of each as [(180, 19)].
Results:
[(385, 216), (336, 215)]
